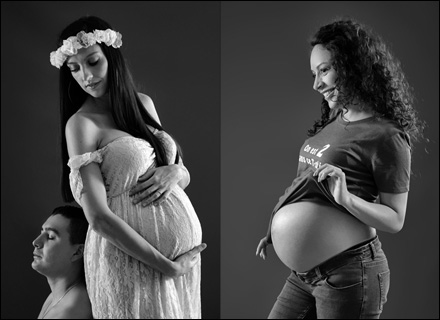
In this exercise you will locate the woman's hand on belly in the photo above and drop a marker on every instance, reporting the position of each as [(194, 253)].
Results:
[(187, 261), (262, 248), (156, 184)]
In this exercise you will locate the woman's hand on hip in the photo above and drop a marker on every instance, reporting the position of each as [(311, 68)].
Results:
[(336, 182), (261, 249), (185, 262), (156, 184)]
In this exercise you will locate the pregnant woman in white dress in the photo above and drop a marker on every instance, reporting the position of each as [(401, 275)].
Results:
[(141, 259)]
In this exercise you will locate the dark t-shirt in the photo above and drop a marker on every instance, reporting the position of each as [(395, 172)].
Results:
[(373, 153)]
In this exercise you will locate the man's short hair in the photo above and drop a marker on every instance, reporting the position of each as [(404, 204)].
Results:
[(78, 223)]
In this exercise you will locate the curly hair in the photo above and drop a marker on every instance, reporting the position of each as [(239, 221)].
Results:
[(368, 73)]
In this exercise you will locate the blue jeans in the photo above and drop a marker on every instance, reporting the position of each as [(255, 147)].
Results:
[(352, 285)]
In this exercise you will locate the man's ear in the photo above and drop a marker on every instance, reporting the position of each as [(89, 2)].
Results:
[(79, 252)]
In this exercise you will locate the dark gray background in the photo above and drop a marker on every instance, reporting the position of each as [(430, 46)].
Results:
[(174, 53), (267, 106)]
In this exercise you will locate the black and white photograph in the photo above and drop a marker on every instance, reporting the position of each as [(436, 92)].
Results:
[(220, 160), (113, 107), (284, 211)]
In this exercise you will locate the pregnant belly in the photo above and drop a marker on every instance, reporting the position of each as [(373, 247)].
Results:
[(305, 234), (173, 227)]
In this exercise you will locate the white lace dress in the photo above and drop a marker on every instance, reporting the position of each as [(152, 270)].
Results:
[(119, 286)]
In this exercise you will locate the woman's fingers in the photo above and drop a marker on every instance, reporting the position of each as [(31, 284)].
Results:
[(140, 186), (146, 195), (323, 174), (198, 249), (192, 256), (195, 253), (326, 170), (195, 260), (154, 186), (154, 197), (162, 197), (262, 253), (189, 259), (261, 249)]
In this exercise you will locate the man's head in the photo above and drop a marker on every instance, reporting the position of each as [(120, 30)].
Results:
[(60, 245)]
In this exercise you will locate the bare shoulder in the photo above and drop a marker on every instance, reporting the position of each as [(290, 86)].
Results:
[(149, 106), (79, 121), (82, 134), (76, 305), (146, 100), (81, 306)]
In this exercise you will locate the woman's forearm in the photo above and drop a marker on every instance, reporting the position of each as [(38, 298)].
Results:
[(378, 216)]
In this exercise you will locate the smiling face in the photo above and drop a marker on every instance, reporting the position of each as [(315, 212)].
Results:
[(324, 74), (53, 252), (89, 67)]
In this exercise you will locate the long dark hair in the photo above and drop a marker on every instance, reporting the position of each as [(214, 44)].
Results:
[(126, 107), (368, 73)]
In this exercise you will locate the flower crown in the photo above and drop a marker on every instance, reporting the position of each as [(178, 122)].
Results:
[(84, 40)]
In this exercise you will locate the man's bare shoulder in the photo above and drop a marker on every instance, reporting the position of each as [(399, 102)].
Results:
[(76, 305)]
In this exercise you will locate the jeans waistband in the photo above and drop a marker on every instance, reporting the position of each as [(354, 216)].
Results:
[(364, 250)]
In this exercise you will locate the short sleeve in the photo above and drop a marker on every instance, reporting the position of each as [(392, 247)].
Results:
[(391, 164), (75, 163)]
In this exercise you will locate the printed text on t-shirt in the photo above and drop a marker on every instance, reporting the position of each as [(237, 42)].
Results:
[(314, 151)]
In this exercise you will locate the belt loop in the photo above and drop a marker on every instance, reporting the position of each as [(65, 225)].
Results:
[(318, 272), (373, 250)]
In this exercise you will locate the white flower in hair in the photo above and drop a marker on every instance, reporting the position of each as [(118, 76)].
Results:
[(101, 36), (112, 37), (70, 46), (118, 41), (84, 40), (57, 58)]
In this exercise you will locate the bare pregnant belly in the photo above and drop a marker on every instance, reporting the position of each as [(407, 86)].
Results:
[(305, 234)]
